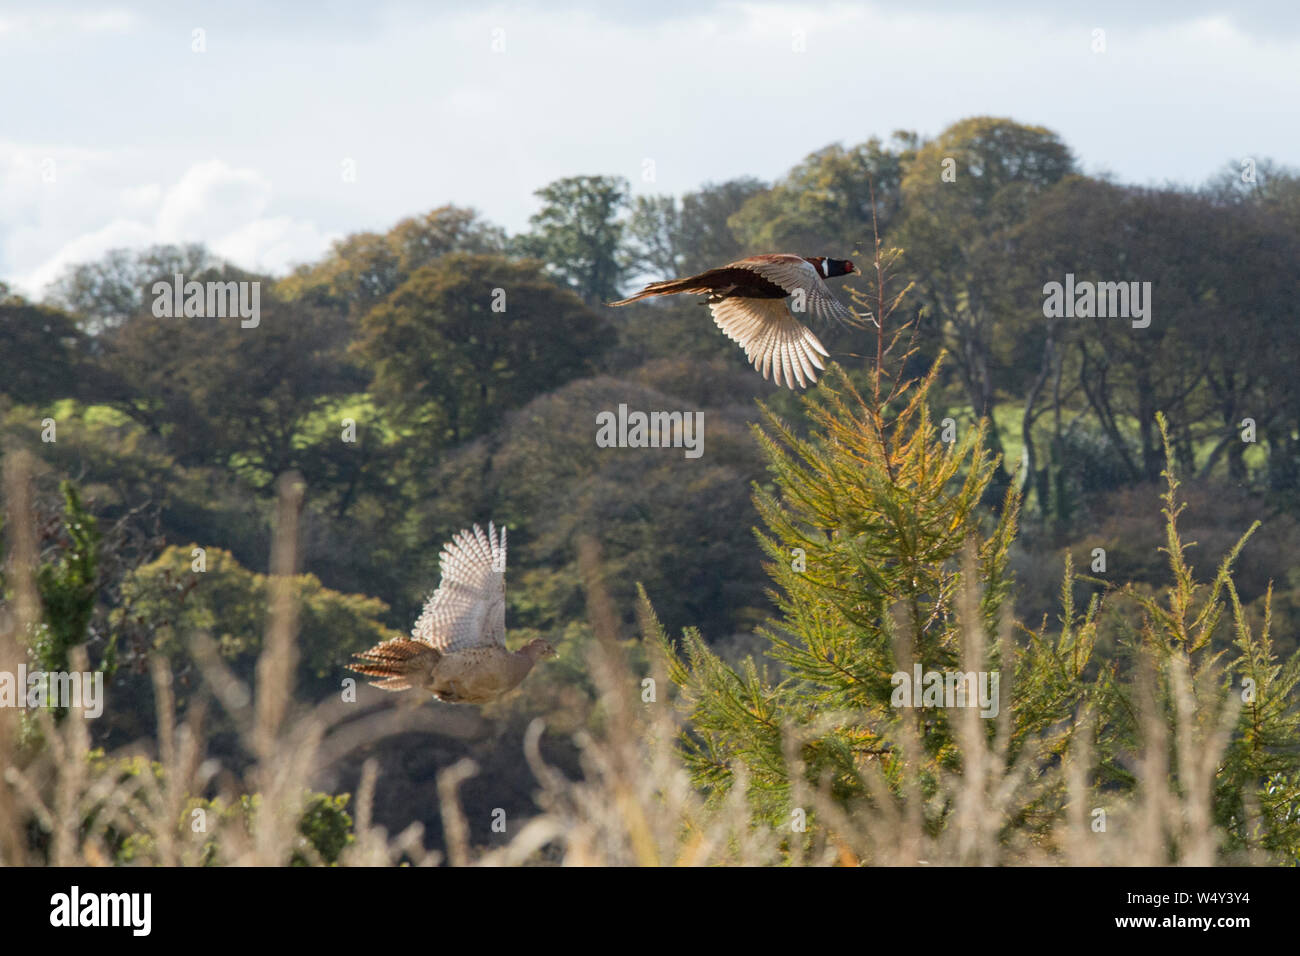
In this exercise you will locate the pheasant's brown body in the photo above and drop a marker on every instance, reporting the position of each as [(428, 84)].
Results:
[(457, 650), (736, 282), (479, 675)]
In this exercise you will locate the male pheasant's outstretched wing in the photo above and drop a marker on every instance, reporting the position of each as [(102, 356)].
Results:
[(469, 607), (775, 342), (800, 278)]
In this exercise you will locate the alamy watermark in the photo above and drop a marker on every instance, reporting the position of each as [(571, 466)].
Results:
[(132, 911), (37, 689), (208, 300), (637, 429), (947, 689), (1102, 300)]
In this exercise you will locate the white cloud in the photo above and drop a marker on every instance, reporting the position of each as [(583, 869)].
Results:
[(272, 245), (84, 248), (212, 199), (141, 200), (225, 207)]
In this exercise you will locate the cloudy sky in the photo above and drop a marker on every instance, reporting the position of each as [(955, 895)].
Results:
[(277, 128)]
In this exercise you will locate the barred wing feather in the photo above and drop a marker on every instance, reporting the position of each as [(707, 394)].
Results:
[(773, 340), (469, 608)]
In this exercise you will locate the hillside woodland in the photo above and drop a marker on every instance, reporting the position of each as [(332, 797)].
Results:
[(1102, 512)]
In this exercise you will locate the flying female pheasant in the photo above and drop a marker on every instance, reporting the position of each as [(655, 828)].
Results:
[(746, 300), (459, 648)]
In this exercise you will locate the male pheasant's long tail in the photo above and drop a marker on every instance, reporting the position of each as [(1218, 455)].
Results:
[(670, 287), (403, 663)]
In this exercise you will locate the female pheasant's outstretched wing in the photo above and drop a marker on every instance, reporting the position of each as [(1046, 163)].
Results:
[(469, 607)]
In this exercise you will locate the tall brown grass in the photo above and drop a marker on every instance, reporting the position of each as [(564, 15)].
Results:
[(633, 803)]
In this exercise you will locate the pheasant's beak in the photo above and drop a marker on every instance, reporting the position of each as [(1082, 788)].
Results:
[(857, 271)]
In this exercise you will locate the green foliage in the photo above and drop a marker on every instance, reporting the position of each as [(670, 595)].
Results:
[(68, 581), (324, 826), (109, 290), (1238, 689), (668, 238), (825, 203), (68, 586), (960, 195), (470, 336), (170, 601), (41, 352), (578, 233), (869, 515), (366, 267), (237, 398), (866, 524)]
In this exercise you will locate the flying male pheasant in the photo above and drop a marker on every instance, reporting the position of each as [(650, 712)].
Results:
[(746, 298), (458, 651)]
